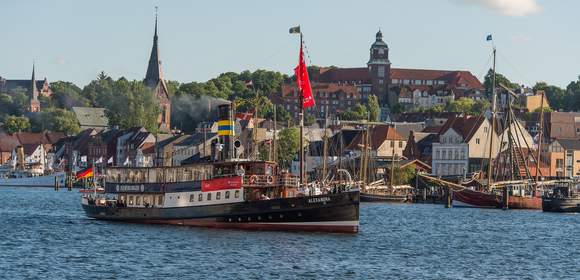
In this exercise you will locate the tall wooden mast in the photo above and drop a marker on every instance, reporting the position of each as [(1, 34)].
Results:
[(540, 135), (493, 105)]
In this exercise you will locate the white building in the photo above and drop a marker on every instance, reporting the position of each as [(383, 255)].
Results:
[(463, 146)]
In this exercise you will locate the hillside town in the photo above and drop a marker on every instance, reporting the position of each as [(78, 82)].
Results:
[(438, 120)]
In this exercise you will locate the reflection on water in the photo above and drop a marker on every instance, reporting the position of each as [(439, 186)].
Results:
[(44, 234)]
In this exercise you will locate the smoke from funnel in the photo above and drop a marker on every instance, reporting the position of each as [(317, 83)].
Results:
[(187, 111)]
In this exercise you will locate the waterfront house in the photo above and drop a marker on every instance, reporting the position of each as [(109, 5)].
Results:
[(463, 146)]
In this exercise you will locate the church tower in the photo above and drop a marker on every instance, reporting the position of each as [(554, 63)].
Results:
[(33, 92), (154, 80), (380, 71)]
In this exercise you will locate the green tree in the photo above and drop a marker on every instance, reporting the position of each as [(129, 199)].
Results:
[(288, 145), (499, 79), (309, 119), (398, 108), (68, 95), (573, 95), (480, 106), (358, 112), (13, 124), (557, 97), (436, 109), (461, 105), (403, 176), (134, 105), (373, 108)]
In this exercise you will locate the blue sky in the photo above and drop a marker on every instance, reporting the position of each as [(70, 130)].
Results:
[(75, 40)]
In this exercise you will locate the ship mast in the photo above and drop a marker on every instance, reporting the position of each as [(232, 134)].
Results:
[(540, 135), (493, 105), (325, 148)]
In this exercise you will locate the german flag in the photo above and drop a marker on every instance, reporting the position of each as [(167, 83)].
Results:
[(87, 173)]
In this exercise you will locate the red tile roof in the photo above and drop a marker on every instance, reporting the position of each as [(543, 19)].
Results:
[(288, 89), (466, 126), (26, 138), (458, 78), (8, 142), (334, 75), (378, 135)]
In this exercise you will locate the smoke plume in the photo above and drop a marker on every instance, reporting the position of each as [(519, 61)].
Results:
[(514, 8), (187, 111)]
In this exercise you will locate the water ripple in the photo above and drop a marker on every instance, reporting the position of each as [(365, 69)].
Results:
[(44, 235)]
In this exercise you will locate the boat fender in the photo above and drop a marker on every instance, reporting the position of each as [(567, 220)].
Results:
[(270, 179), (253, 179)]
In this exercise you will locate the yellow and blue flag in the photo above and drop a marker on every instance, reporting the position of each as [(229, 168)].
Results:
[(226, 127)]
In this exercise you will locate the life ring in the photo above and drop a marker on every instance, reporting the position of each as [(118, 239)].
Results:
[(270, 179), (253, 179)]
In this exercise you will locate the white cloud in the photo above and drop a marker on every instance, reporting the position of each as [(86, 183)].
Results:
[(60, 61), (514, 8), (521, 38)]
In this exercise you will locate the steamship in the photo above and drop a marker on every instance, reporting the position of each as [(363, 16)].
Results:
[(224, 193)]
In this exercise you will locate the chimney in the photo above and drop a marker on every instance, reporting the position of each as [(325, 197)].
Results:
[(226, 131)]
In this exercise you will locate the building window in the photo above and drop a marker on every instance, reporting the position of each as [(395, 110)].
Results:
[(237, 194), (476, 140), (191, 198), (218, 195), (444, 153), (381, 71), (381, 81), (392, 143), (227, 196), (437, 154), (160, 200), (137, 200), (130, 200), (395, 81), (400, 144), (209, 196), (200, 197), (417, 82)]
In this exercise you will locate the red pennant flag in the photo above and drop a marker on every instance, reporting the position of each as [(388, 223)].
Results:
[(303, 82)]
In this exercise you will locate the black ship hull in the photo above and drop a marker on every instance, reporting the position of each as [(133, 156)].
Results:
[(370, 197), (329, 213), (562, 205)]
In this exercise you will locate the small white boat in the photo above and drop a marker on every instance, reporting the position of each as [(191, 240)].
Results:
[(27, 180)]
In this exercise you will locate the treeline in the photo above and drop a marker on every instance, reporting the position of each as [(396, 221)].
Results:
[(130, 103)]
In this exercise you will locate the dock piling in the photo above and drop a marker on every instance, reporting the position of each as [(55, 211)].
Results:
[(448, 195)]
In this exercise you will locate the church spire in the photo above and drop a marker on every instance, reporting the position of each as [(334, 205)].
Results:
[(33, 88), (154, 73), (34, 102)]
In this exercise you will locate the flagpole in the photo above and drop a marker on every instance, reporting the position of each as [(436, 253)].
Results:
[(302, 178)]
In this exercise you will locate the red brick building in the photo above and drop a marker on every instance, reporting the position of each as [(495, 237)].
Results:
[(379, 79)]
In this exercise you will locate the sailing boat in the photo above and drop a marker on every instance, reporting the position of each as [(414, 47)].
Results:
[(515, 187)]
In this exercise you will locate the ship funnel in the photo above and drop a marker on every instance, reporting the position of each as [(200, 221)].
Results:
[(226, 131)]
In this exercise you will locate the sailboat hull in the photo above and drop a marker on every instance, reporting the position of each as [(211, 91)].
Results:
[(476, 199)]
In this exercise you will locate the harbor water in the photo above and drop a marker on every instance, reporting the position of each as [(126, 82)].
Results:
[(45, 235)]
